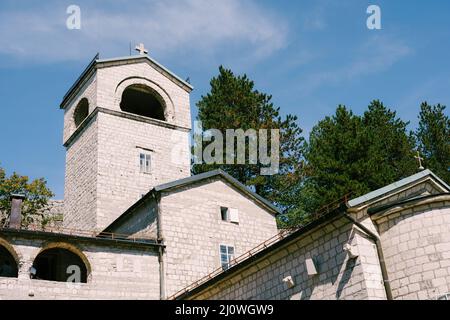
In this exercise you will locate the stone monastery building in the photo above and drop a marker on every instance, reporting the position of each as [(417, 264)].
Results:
[(137, 225)]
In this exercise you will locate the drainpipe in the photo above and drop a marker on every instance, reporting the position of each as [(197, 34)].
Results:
[(15, 219), (376, 239), (162, 278), (160, 240)]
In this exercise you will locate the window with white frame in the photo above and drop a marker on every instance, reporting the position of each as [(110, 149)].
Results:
[(226, 255), (144, 162), (229, 214)]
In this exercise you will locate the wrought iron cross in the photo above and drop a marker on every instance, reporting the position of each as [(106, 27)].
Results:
[(141, 49), (419, 159)]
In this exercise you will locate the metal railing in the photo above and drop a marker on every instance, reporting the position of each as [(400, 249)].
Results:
[(269, 242), (85, 233)]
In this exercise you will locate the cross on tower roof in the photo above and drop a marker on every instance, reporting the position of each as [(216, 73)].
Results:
[(419, 159), (141, 49)]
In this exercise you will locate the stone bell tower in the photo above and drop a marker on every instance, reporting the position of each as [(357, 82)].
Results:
[(126, 129)]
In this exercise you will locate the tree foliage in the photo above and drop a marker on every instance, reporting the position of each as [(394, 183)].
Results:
[(234, 103), (354, 154), (36, 193), (433, 138), (345, 153)]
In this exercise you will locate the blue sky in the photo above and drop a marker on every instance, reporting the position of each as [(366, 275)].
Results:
[(310, 55)]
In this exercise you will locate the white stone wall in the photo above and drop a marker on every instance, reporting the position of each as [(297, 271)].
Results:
[(103, 178), (109, 89), (103, 88), (80, 188), (142, 222), (368, 254), (119, 180), (370, 265), (193, 230), (116, 272), (416, 245), (339, 277), (88, 91)]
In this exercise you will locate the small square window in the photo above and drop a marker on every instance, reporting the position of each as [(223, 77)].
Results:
[(229, 214)]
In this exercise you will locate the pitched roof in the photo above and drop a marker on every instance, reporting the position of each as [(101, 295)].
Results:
[(396, 185), (215, 173), (96, 62), (195, 179)]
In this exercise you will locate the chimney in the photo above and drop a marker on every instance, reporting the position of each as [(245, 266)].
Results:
[(15, 220)]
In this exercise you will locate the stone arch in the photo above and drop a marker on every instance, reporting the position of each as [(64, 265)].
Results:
[(9, 260), (150, 87), (69, 254), (81, 112)]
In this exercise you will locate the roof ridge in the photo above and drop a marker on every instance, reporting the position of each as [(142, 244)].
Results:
[(397, 184), (193, 179), (96, 61)]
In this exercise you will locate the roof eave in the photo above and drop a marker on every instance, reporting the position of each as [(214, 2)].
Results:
[(75, 85), (154, 62), (376, 194), (227, 177), (96, 62), (189, 180)]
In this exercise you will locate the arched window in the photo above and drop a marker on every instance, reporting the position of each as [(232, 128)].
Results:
[(141, 100), (8, 265), (81, 111), (59, 264)]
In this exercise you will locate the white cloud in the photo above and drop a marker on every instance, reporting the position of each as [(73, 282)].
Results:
[(377, 54), (198, 27)]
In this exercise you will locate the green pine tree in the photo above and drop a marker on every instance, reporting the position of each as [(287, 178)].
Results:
[(433, 139), (354, 154), (233, 103)]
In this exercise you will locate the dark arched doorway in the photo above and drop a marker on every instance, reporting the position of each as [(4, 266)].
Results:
[(8, 265), (59, 264), (143, 101)]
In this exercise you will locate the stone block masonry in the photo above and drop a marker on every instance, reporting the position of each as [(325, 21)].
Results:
[(119, 180), (115, 271), (103, 176), (193, 229), (338, 277), (416, 244), (80, 188)]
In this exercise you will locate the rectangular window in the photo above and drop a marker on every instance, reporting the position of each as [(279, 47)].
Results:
[(226, 256), (144, 162), (224, 214), (229, 214)]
